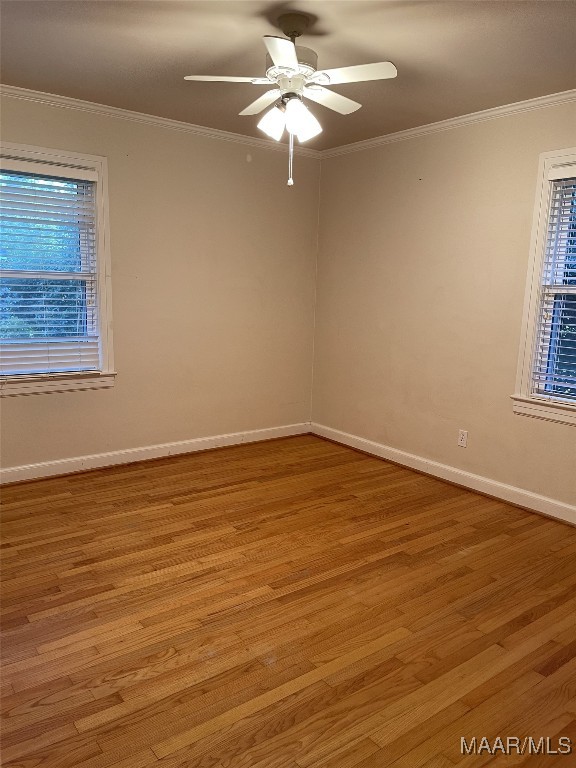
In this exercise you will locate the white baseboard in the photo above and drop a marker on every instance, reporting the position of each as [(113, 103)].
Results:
[(510, 493), (97, 460)]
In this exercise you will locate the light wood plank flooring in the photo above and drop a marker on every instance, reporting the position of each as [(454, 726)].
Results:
[(290, 604)]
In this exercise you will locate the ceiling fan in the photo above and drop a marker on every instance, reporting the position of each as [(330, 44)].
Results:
[(292, 71)]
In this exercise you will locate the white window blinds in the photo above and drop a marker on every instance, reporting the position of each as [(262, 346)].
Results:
[(48, 271), (554, 368)]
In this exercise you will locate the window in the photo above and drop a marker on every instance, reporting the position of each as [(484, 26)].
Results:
[(547, 368), (54, 272)]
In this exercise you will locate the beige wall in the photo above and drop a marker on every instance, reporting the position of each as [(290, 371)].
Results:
[(421, 277), (421, 274), (213, 298)]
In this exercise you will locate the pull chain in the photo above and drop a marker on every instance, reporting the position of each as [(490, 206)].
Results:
[(290, 159), (293, 37)]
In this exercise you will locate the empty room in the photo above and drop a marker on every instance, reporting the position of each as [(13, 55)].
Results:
[(288, 383)]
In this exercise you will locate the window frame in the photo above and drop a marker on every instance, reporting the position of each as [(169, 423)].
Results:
[(45, 161), (552, 166)]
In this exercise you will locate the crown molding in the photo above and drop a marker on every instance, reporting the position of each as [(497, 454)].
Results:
[(554, 99), (65, 102)]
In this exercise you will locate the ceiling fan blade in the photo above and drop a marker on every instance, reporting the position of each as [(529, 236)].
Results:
[(331, 100), (282, 52), (223, 79), (361, 72), (262, 102)]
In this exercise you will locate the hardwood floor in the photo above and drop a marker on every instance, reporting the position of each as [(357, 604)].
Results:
[(290, 604)]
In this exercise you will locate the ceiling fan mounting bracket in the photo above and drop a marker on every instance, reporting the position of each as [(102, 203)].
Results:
[(294, 24)]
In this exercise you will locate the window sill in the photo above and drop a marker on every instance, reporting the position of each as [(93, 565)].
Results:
[(544, 409), (10, 386)]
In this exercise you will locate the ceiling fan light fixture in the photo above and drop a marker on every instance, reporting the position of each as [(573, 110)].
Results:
[(273, 123), (300, 121), (311, 129)]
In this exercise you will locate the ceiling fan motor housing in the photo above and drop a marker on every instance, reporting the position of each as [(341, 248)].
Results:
[(286, 79), (307, 58)]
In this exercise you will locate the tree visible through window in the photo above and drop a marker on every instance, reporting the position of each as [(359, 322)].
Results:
[(555, 360), (48, 317)]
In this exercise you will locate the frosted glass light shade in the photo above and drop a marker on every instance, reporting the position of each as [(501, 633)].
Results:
[(273, 123), (300, 121)]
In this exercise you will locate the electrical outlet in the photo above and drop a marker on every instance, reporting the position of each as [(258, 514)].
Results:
[(462, 438)]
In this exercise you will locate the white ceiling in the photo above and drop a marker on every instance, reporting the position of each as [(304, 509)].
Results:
[(453, 58)]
